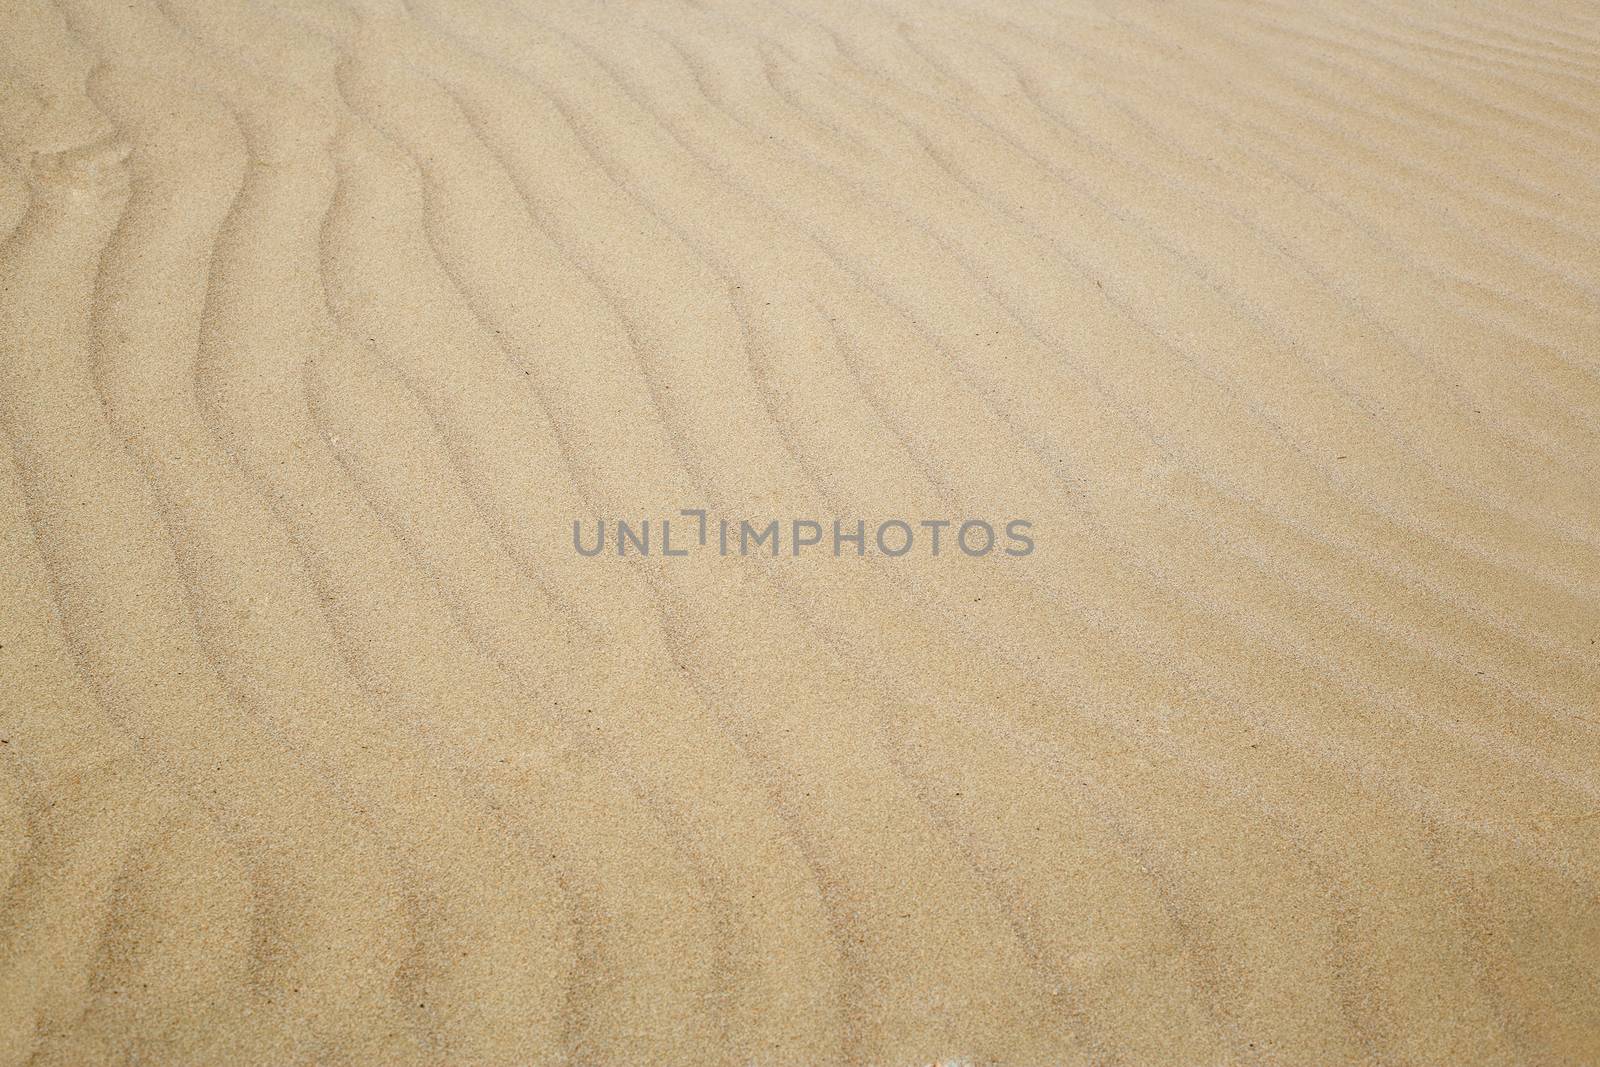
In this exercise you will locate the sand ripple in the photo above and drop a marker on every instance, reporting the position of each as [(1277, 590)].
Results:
[(321, 322)]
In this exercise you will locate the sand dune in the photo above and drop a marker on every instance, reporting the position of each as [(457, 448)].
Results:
[(323, 322)]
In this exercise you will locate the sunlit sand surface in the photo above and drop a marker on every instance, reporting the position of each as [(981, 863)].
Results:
[(322, 322)]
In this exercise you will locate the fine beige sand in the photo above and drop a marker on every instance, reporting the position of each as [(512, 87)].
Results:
[(322, 321)]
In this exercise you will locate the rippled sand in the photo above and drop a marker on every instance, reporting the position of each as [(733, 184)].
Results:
[(321, 323)]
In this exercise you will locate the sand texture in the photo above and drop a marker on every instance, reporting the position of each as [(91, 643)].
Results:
[(322, 321)]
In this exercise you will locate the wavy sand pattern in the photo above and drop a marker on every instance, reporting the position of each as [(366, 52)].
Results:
[(322, 320)]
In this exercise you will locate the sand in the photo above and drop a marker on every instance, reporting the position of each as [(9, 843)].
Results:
[(323, 321)]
